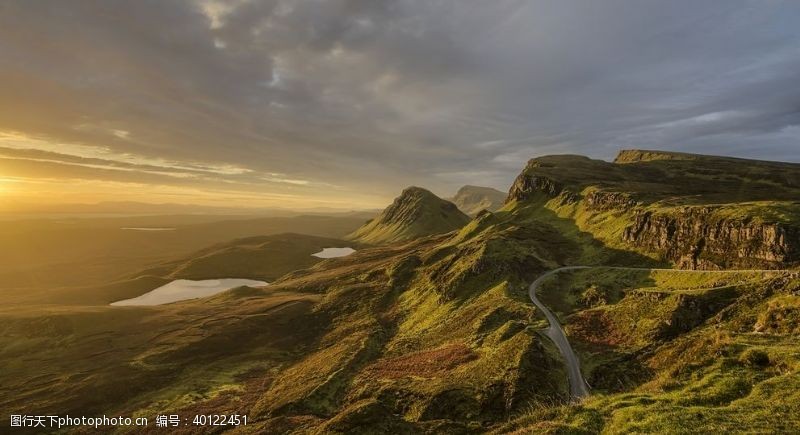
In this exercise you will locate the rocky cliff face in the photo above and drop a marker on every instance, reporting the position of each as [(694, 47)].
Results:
[(526, 186), (637, 156), (695, 238), (602, 200)]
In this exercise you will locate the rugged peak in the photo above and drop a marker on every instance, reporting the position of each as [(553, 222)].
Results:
[(415, 213), (411, 203), (414, 193)]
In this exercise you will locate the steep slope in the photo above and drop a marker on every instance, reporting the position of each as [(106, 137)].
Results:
[(472, 199), (415, 213), (699, 212)]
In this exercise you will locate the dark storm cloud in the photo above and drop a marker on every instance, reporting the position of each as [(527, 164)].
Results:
[(390, 93)]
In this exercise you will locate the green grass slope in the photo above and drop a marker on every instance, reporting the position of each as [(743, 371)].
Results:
[(433, 335), (670, 352), (415, 213)]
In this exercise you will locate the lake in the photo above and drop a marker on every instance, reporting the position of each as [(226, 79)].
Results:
[(333, 252), (183, 289)]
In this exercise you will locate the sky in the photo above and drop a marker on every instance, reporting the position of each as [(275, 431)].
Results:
[(343, 103)]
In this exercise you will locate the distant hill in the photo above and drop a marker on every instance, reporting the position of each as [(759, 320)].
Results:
[(415, 213), (261, 257), (472, 199), (52, 256)]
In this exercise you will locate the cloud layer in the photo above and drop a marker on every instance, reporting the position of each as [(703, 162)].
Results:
[(349, 101)]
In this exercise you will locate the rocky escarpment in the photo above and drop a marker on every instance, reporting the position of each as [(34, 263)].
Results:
[(526, 186), (695, 238), (602, 200), (637, 156)]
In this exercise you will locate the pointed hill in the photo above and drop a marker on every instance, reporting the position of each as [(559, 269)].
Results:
[(472, 199), (415, 213)]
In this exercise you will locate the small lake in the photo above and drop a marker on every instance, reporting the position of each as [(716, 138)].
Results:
[(334, 252), (183, 289)]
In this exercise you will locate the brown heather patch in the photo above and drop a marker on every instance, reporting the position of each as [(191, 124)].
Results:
[(425, 364), (595, 328), (254, 384)]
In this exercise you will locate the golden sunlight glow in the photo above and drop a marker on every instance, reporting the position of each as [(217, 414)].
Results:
[(46, 173)]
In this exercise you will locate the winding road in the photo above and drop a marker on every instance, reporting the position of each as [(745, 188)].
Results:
[(578, 387)]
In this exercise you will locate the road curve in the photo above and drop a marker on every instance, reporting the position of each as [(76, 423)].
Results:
[(578, 387)]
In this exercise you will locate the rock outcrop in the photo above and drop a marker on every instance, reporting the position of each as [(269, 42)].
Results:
[(695, 238), (526, 185), (602, 200)]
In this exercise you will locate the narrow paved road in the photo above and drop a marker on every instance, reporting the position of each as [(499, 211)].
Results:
[(577, 384)]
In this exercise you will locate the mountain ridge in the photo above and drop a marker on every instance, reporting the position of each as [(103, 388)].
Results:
[(699, 212)]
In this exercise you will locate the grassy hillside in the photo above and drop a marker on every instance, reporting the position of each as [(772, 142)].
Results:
[(678, 353), (432, 336), (86, 361), (415, 213), (359, 346), (436, 334)]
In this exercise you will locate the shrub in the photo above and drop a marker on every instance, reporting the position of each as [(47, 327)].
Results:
[(754, 358), (594, 296)]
